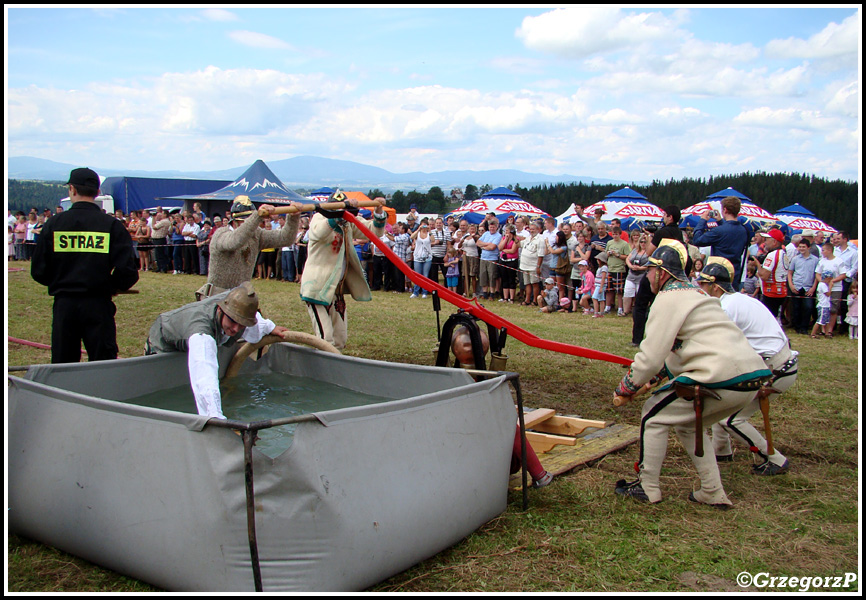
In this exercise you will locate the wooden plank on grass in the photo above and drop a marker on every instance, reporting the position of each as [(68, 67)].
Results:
[(593, 446)]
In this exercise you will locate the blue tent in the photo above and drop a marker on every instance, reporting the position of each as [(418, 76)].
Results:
[(796, 210), (722, 194), (323, 191), (258, 182), (136, 193), (756, 216), (321, 194), (625, 193), (795, 218)]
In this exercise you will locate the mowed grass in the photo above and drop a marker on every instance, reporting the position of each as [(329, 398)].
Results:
[(577, 535)]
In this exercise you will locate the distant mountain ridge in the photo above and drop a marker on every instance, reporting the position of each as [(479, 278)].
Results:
[(315, 172)]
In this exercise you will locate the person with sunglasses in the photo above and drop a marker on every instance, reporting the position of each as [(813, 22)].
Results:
[(637, 264)]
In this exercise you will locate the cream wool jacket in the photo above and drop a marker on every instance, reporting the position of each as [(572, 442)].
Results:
[(330, 247), (233, 252), (690, 338)]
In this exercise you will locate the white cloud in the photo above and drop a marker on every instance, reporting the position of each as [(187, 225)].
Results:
[(845, 101), (582, 32), (833, 41), (678, 112), (616, 116), (248, 102), (259, 40), (784, 118), (219, 14), (213, 118)]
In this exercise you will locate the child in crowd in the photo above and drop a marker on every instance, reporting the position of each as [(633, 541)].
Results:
[(583, 296), (853, 311), (452, 272), (565, 304), (751, 284), (697, 267), (548, 300), (599, 294), (823, 296)]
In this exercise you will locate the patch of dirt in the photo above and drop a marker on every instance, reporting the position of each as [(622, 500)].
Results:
[(700, 582)]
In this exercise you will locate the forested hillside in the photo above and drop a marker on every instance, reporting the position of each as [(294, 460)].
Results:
[(834, 202), (24, 195)]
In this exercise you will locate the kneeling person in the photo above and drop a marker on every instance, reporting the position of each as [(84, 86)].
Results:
[(200, 327)]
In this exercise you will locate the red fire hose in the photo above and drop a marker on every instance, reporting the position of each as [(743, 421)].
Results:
[(476, 310)]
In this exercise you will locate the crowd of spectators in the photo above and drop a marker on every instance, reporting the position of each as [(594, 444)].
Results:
[(596, 268)]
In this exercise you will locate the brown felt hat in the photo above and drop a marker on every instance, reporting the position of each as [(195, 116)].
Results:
[(241, 304)]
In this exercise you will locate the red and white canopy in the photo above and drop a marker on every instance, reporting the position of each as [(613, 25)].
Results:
[(502, 202)]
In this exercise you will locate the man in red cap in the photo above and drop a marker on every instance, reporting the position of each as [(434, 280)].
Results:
[(773, 273)]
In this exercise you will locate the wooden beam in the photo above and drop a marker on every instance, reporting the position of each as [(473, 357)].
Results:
[(542, 442), (568, 425), (533, 418)]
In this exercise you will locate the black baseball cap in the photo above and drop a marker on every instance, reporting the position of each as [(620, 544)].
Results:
[(84, 177)]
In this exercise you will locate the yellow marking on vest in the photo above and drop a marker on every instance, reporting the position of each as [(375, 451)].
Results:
[(81, 241)]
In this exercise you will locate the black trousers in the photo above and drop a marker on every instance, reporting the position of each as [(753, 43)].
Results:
[(88, 319), (379, 265), (161, 250), (399, 279), (802, 307), (436, 267), (640, 311), (190, 258), (774, 305)]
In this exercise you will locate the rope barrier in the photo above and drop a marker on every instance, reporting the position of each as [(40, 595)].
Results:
[(37, 344), (477, 310), (520, 272), (34, 344)]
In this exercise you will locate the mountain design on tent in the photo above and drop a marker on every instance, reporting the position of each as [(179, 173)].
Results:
[(258, 182), (250, 186)]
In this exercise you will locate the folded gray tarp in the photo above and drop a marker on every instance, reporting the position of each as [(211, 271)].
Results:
[(360, 495)]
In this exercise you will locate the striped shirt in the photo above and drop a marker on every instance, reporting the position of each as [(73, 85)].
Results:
[(441, 236), (402, 242)]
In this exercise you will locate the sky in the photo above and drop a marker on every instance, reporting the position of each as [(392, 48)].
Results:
[(633, 94)]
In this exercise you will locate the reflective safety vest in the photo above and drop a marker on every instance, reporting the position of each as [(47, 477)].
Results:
[(776, 285)]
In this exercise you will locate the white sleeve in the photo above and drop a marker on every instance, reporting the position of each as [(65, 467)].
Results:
[(263, 327), (204, 375)]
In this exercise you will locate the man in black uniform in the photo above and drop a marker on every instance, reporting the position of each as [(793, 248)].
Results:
[(85, 257)]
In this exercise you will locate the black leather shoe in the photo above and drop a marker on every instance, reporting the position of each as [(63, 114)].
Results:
[(631, 489), (768, 468)]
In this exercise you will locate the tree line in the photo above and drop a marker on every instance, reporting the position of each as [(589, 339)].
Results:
[(833, 201)]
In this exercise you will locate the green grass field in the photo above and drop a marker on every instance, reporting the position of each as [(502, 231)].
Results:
[(577, 535)]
